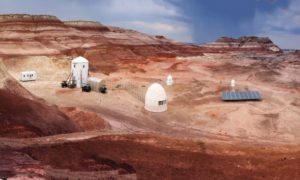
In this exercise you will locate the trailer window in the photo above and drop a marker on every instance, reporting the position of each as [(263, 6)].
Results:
[(162, 102), (83, 66), (74, 65)]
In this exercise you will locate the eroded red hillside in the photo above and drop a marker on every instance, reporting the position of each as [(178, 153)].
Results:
[(23, 34), (21, 117), (86, 120)]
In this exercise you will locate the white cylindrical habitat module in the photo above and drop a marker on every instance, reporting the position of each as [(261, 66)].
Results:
[(80, 71), (156, 98)]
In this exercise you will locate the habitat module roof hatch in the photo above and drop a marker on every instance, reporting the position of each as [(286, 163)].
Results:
[(240, 95)]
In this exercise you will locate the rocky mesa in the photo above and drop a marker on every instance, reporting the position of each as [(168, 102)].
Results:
[(242, 44)]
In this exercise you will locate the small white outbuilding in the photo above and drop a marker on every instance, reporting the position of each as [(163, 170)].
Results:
[(80, 71), (232, 83), (96, 83), (28, 76), (169, 81), (156, 98)]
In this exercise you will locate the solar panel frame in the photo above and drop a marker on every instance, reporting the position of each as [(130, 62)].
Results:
[(240, 95)]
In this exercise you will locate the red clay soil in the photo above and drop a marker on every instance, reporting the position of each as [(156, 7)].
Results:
[(14, 87), (156, 157), (21, 117), (86, 120), (13, 163)]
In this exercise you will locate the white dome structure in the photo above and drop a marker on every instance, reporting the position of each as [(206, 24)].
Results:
[(169, 80), (156, 98)]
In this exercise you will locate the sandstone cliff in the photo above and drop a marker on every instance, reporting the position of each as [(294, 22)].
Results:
[(86, 25)]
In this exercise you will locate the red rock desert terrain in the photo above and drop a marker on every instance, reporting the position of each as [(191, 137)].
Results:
[(48, 132)]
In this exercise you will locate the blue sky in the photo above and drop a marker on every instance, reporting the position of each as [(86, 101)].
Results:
[(194, 21)]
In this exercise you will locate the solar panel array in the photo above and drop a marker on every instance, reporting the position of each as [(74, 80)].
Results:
[(240, 95)]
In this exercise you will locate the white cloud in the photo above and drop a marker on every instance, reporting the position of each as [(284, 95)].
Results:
[(155, 17), (138, 7), (148, 16), (285, 40), (175, 29), (282, 25), (154, 26)]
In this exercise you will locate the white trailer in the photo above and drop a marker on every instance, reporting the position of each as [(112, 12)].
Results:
[(96, 83), (28, 76)]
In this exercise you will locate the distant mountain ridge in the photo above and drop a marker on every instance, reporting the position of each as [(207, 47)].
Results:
[(245, 43), (24, 34)]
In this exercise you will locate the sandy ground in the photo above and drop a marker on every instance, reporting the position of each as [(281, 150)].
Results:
[(195, 108)]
